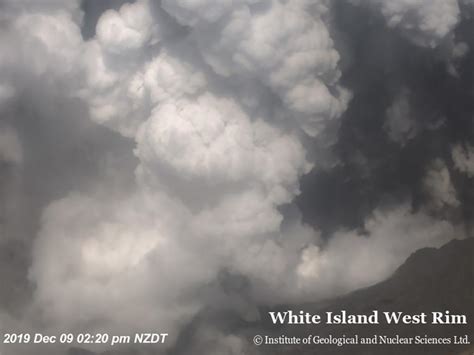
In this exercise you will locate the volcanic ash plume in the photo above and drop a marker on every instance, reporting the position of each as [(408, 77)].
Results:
[(219, 99), (217, 102)]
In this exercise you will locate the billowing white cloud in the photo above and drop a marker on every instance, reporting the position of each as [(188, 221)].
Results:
[(118, 261), (438, 186), (39, 45), (217, 97), (211, 141), (46, 34), (168, 78), (463, 158), (352, 260), (425, 22), (215, 163), (127, 30)]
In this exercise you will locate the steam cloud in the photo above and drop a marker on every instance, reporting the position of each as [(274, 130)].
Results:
[(153, 158)]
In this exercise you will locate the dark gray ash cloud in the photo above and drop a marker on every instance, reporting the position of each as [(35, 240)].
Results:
[(169, 163)]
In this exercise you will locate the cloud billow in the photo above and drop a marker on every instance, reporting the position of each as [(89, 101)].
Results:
[(199, 119)]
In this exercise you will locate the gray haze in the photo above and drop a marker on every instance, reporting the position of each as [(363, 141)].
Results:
[(161, 161)]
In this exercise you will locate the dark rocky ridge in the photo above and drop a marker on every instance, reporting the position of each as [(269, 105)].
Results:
[(430, 280)]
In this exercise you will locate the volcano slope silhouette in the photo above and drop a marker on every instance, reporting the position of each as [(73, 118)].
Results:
[(431, 280)]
